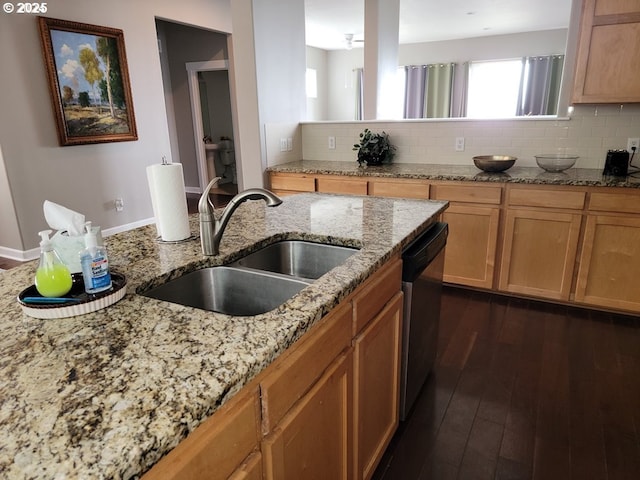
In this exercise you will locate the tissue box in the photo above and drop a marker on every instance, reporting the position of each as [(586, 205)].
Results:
[(68, 247)]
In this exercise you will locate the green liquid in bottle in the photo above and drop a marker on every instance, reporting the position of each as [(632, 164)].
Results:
[(53, 280)]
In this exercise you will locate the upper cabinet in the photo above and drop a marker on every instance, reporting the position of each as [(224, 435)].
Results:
[(608, 60)]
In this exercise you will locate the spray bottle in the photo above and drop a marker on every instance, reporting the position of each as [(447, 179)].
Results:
[(95, 264), (53, 278)]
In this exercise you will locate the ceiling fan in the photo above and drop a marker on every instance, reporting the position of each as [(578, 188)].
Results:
[(349, 40)]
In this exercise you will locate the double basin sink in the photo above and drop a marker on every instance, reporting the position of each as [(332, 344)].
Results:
[(257, 283)]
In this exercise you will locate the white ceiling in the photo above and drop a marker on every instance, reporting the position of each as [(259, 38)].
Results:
[(327, 21)]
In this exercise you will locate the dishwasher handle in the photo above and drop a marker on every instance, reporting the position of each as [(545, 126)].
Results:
[(419, 254)]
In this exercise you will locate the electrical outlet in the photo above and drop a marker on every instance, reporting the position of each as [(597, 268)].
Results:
[(283, 144), (631, 143), (118, 204), (332, 143), (459, 146)]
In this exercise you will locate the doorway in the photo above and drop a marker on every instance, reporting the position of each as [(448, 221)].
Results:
[(213, 124)]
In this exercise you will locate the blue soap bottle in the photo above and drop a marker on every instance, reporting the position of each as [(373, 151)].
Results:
[(95, 264)]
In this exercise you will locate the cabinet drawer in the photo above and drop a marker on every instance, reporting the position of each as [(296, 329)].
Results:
[(297, 370), (467, 193), (299, 183), (541, 197), (399, 189), (351, 186), (375, 293), (615, 202)]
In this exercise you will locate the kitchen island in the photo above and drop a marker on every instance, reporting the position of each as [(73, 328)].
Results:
[(107, 394)]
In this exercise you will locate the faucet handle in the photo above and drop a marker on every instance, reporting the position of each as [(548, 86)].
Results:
[(204, 204)]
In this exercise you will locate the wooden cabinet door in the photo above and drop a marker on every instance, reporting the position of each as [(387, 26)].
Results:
[(607, 67), (314, 440), (377, 387), (609, 273), (471, 246), (539, 252), (217, 447)]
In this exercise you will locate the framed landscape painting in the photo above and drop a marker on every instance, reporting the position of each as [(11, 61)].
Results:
[(88, 81)]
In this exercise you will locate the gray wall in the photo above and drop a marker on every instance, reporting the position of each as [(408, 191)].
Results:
[(84, 178)]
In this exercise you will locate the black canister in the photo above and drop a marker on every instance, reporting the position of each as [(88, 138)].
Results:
[(616, 163)]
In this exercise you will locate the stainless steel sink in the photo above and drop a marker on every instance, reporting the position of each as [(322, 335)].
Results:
[(229, 290), (297, 258)]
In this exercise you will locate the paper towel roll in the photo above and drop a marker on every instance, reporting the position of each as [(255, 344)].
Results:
[(169, 200)]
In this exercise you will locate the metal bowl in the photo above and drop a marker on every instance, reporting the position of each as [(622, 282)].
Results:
[(494, 163), (555, 162)]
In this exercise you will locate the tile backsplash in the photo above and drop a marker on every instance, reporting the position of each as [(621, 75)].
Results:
[(589, 132)]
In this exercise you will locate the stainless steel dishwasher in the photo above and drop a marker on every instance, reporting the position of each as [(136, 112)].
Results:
[(422, 267)]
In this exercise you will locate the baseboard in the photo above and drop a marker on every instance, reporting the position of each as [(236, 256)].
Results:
[(26, 255)]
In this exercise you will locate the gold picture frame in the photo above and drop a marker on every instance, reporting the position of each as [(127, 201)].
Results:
[(88, 81)]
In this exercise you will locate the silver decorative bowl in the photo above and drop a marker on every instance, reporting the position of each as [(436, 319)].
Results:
[(494, 163), (555, 162)]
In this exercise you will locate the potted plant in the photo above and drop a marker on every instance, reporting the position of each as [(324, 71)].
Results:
[(374, 148)]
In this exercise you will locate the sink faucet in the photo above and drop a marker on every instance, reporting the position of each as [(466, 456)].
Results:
[(211, 229)]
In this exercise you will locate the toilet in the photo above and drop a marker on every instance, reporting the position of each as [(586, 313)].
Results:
[(221, 161)]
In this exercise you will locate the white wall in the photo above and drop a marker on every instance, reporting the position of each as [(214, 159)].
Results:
[(85, 178), (341, 63), (269, 59), (589, 133), (317, 107)]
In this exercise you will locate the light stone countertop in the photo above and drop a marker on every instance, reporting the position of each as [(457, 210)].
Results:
[(469, 173), (107, 394)]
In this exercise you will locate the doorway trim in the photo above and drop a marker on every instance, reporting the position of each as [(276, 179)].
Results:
[(196, 111)]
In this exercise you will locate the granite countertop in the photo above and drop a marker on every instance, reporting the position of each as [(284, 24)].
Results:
[(107, 394), (530, 175)]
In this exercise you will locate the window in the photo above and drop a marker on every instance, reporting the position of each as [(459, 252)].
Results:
[(494, 88)]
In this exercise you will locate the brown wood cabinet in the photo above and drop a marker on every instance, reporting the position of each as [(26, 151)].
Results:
[(474, 220), (377, 328), (377, 382), (610, 260), (204, 455), (346, 185), (290, 183), (567, 243), (608, 60), (539, 252), (541, 235), (314, 439)]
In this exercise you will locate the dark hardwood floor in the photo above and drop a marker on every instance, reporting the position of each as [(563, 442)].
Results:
[(524, 390)]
